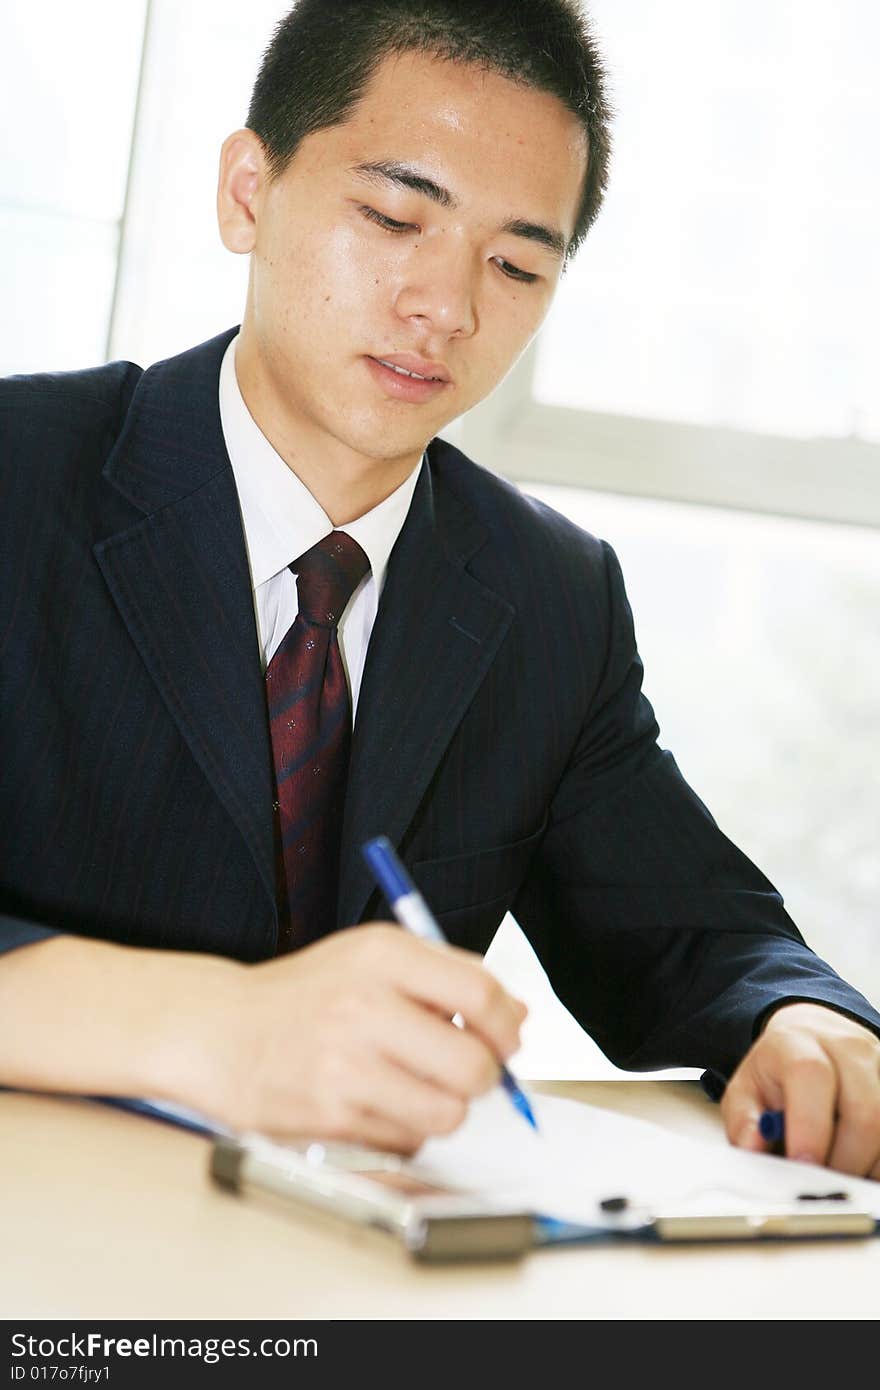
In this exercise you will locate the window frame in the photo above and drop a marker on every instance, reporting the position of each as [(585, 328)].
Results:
[(820, 479)]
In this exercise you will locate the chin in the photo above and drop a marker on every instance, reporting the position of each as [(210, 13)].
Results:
[(376, 439), (385, 450)]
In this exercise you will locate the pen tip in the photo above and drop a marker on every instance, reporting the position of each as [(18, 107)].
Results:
[(519, 1099)]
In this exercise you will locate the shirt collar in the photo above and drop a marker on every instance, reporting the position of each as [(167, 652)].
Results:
[(280, 517)]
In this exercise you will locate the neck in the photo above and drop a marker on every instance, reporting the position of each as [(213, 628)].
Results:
[(346, 494)]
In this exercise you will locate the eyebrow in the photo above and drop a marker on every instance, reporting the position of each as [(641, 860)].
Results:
[(408, 176)]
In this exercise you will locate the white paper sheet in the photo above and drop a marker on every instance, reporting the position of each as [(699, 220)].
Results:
[(583, 1154)]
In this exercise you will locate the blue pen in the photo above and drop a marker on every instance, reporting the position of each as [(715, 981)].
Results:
[(771, 1127), (412, 912)]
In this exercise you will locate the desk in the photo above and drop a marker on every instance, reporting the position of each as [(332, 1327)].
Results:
[(105, 1214)]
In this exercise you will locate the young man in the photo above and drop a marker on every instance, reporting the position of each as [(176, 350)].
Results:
[(187, 913)]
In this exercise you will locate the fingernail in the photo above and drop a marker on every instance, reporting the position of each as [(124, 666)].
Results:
[(805, 1158)]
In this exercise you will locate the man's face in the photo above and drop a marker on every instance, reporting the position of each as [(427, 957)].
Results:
[(351, 264)]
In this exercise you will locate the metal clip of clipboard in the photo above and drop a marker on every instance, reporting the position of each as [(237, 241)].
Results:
[(777, 1222), (352, 1186), (730, 1217)]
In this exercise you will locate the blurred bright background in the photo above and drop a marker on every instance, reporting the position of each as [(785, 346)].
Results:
[(704, 393)]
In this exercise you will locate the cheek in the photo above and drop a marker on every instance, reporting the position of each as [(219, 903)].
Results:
[(320, 281), (528, 312), (509, 321)]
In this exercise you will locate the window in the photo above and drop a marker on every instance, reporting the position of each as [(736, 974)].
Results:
[(715, 339), (68, 91)]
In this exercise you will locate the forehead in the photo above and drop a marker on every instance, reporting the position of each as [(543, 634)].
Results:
[(480, 134)]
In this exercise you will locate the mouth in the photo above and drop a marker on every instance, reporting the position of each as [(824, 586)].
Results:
[(405, 383)]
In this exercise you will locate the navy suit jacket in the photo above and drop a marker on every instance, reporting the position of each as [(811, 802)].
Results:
[(502, 740)]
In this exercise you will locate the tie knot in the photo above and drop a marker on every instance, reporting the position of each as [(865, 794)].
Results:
[(327, 576)]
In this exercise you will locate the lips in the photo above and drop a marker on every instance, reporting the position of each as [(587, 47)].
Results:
[(418, 376), (411, 364), (405, 381)]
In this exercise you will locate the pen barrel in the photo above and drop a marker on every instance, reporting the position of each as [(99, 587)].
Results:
[(412, 912)]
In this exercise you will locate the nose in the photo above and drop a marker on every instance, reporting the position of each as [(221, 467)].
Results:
[(439, 290)]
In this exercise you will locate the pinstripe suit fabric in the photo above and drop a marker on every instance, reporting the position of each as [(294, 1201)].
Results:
[(502, 740)]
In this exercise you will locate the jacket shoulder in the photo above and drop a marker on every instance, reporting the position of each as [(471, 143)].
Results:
[(34, 407), (57, 429), (515, 520)]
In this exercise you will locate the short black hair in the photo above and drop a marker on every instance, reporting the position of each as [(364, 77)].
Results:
[(323, 54)]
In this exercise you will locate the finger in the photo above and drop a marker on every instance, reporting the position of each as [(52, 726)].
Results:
[(365, 1099), (792, 1073), (810, 1088), (742, 1124), (856, 1146), (426, 1043), (520, 1007), (391, 1093), (747, 1096), (362, 1128), (378, 1132), (447, 978)]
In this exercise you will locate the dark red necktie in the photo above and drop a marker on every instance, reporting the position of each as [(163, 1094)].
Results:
[(310, 722)]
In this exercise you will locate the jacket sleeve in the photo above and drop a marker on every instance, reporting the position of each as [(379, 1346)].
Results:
[(662, 938), (14, 931)]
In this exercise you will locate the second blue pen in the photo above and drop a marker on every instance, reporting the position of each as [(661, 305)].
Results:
[(771, 1127), (412, 912)]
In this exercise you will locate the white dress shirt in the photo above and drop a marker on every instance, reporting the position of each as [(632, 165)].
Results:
[(281, 520)]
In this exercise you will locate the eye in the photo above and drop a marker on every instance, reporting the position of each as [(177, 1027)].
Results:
[(513, 273), (388, 223)]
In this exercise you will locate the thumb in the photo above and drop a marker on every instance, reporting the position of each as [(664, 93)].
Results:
[(742, 1106)]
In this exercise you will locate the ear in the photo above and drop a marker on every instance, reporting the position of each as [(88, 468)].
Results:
[(241, 179)]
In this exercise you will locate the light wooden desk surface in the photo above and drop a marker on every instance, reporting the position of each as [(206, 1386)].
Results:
[(105, 1214)]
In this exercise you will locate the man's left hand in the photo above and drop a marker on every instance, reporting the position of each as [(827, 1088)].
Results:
[(823, 1070)]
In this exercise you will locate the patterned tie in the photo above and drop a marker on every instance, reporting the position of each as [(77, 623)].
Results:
[(310, 722)]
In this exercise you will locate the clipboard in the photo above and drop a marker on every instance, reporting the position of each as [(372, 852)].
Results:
[(434, 1223)]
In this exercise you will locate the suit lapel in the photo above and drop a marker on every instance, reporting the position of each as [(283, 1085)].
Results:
[(435, 637), (179, 577)]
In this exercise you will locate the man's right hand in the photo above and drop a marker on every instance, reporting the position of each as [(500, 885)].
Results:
[(348, 1039), (351, 1039)]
